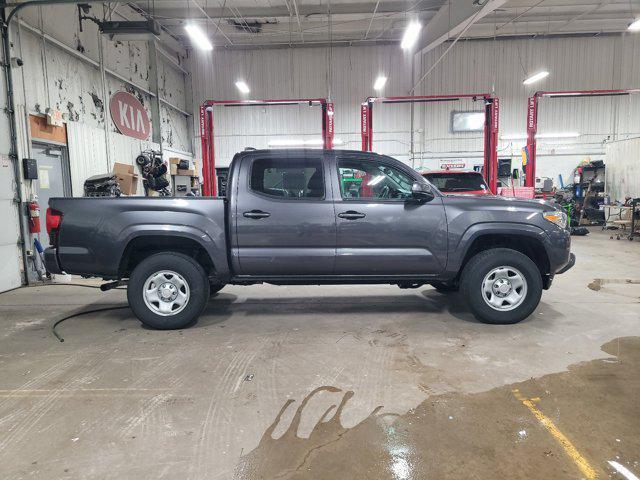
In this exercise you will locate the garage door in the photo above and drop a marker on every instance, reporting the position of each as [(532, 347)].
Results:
[(9, 233)]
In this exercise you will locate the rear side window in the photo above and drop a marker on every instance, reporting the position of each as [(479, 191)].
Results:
[(288, 178)]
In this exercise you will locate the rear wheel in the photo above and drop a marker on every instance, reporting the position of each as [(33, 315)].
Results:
[(502, 286), (168, 290)]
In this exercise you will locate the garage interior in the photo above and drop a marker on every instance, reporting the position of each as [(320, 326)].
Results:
[(154, 98)]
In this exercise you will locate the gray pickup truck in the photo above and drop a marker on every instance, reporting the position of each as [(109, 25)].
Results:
[(294, 217)]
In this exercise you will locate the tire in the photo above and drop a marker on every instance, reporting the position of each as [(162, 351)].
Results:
[(215, 288), (442, 287), (186, 289), (505, 278)]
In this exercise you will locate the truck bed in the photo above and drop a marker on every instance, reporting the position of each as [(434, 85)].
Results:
[(95, 232)]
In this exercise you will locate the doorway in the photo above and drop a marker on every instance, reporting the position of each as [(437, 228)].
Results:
[(54, 179)]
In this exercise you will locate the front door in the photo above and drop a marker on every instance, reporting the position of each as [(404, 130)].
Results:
[(382, 230), (53, 180), (284, 216)]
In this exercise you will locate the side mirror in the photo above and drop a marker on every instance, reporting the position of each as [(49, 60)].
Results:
[(422, 192)]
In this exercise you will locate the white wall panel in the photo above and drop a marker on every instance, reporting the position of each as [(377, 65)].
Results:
[(621, 175), (87, 154), (470, 67), (297, 73)]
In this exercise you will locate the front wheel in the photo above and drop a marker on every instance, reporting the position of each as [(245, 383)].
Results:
[(502, 286), (168, 290)]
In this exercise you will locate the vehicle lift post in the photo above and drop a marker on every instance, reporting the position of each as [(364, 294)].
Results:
[(491, 125), (209, 185), (532, 121)]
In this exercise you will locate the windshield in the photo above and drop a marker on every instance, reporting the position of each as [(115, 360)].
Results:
[(457, 182)]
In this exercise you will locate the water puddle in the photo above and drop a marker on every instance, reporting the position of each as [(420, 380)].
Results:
[(594, 408)]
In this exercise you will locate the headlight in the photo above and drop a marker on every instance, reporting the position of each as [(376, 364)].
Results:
[(557, 217)]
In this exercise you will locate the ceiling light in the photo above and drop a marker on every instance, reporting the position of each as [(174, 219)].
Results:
[(198, 37), (535, 77), (635, 25), (242, 86), (558, 135), (410, 35), (380, 82)]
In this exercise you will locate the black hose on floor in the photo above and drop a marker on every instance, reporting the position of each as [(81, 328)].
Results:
[(84, 312)]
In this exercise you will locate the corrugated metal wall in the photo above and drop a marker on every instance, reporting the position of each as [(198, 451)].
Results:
[(58, 78), (471, 66), (297, 73)]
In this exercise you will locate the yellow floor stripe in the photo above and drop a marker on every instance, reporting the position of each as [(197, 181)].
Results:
[(579, 460)]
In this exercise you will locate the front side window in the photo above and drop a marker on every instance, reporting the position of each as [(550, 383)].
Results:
[(369, 179), (288, 178)]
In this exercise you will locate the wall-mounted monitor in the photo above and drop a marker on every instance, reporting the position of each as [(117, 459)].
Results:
[(471, 121)]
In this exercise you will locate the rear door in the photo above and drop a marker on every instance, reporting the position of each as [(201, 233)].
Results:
[(283, 215), (382, 230)]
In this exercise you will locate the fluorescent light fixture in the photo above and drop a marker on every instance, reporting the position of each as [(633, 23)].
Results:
[(299, 142), (380, 82), (518, 136), (535, 77), (634, 26), (242, 86), (198, 37), (558, 135), (411, 35), (513, 136)]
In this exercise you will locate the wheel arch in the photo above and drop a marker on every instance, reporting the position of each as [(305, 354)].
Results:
[(144, 244), (526, 239)]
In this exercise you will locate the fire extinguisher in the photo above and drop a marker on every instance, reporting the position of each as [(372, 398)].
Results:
[(34, 215)]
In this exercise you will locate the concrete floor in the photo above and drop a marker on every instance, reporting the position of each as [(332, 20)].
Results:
[(421, 389)]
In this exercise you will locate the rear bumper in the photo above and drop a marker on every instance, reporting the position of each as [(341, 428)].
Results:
[(570, 264), (51, 261)]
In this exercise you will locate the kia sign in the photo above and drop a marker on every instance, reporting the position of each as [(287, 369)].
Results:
[(129, 115)]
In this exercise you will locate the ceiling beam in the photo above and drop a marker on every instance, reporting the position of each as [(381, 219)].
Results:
[(454, 18), (170, 9)]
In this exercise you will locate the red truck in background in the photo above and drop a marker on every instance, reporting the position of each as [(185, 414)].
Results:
[(457, 182)]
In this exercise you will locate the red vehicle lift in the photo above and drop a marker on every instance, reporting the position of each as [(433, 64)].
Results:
[(207, 132), (492, 113), (532, 121)]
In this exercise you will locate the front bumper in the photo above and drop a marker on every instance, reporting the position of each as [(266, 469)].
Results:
[(51, 261), (570, 264)]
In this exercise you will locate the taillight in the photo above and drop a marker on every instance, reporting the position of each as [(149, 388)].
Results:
[(54, 219)]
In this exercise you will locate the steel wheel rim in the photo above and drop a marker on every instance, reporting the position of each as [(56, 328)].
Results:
[(504, 288), (166, 293)]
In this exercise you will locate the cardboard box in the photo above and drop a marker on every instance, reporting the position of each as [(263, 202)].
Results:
[(186, 173), (173, 169), (174, 161), (128, 183), (122, 169)]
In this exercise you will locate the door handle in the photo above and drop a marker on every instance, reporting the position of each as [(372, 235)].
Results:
[(256, 214), (351, 215)]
